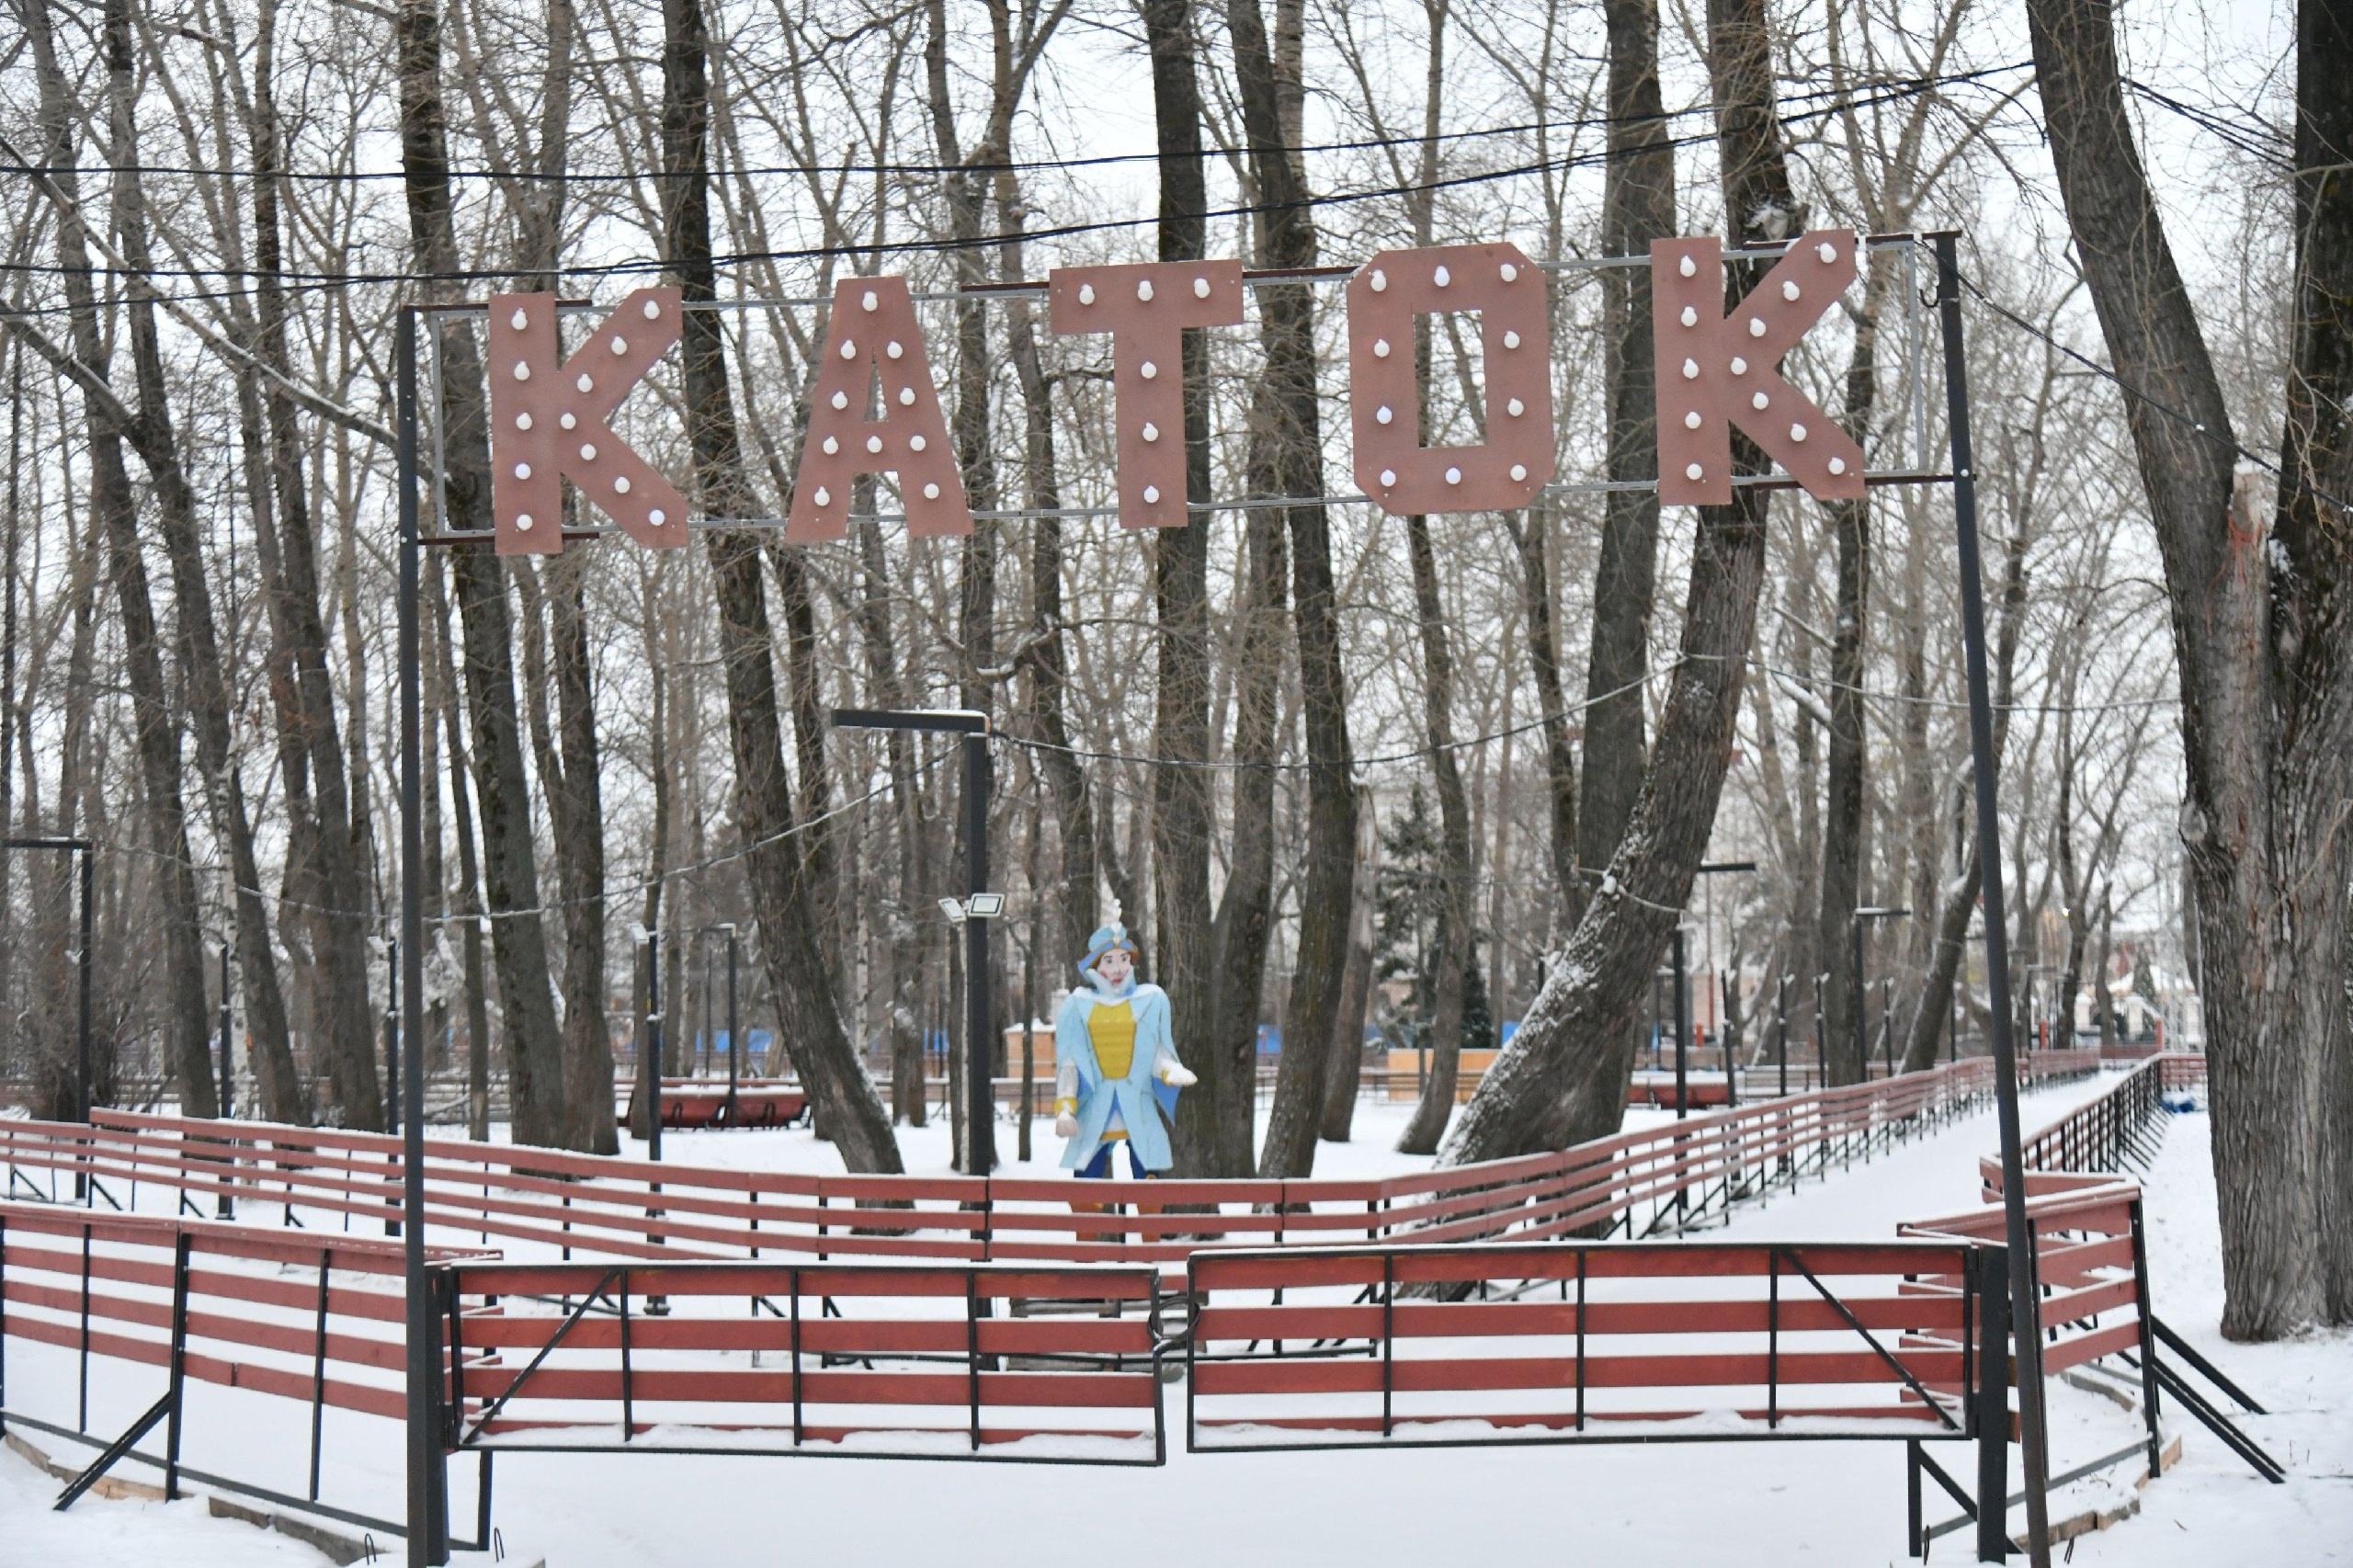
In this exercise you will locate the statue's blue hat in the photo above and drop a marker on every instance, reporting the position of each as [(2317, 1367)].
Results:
[(1112, 935)]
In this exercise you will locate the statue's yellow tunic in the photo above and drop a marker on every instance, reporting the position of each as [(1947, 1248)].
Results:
[(1111, 1030)]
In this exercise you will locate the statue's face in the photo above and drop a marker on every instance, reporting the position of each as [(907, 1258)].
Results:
[(1115, 966)]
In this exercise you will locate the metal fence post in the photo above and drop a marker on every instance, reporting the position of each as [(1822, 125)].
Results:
[(1993, 1398), (178, 1367)]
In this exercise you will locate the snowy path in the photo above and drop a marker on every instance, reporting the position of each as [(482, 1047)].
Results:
[(1756, 1503)]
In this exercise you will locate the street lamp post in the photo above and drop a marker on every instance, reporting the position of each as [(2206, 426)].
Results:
[(973, 913), (1732, 1094), (1869, 912)]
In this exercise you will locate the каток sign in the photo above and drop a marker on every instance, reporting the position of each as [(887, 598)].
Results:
[(874, 406)]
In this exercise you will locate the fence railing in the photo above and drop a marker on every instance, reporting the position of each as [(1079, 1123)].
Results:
[(577, 1205)]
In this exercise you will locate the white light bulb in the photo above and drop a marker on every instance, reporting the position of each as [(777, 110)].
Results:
[(824, 496), (1388, 477), (931, 492), (620, 485), (586, 384), (1511, 340), (1687, 266), (523, 421), (1693, 472), (1837, 465), (1690, 316), (1379, 282), (872, 302), (1760, 402), (1144, 289), (566, 420), (849, 349), (1151, 495), (1150, 432), (906, 397), (522, 470), (522, 372), (1383, 414), (894, 349), (1756, 326), (1691, 369), (1454, 476), (915, 443), (1148, 370), (1510, 273), (653, 309), (523, 522), (1691, 420), (1518, 471), (1515, 408), (1086, 294), (1790, 289), (832, 445), (874, 443), (518, 321), (1739, 366), (1380, 348), (1441, 278), (587, 451), (840, 400), (1201, 287), (1797, 432), (620, 345), (657, 517), (1827, 252)]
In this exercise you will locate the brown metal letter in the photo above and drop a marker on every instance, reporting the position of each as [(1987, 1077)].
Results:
[(1716, 371), (874, 339), (548, 422), (1146, 308), (1515, 343)]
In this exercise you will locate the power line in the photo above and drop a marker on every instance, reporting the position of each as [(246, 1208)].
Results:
[(2137, 393), (653, 266), (1909, 84), (531, 911), (1417, 754)]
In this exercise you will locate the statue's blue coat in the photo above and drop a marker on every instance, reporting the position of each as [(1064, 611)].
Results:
[(1137, 1096)]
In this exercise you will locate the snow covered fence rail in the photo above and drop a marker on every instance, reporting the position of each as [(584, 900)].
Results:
[(924, 1360), (1568, 1342), (314, 1319), (547, 1203)]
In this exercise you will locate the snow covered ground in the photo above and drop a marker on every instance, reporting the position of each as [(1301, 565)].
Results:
[(1756, 1503)]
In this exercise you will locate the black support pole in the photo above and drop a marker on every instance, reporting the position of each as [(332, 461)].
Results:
[(1986, 768), (980, 1099), (1682, 1039), (428, 1485), (395, 1085), (227, 1205), (734, 1027), (1781, 1029), (1862, 1039)]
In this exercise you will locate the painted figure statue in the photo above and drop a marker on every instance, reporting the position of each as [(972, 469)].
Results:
[(1116, 1069)]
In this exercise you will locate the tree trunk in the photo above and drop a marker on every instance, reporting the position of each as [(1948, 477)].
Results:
[(1960, 900), (535, 1075), (1637, 207), (2261, 648), (1844, 838), (205, 682), (1215, 1130), (1287, 411), (1344, 1074), (184, 1022), (842, 1099), (319, 818), (1562, 1078)]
